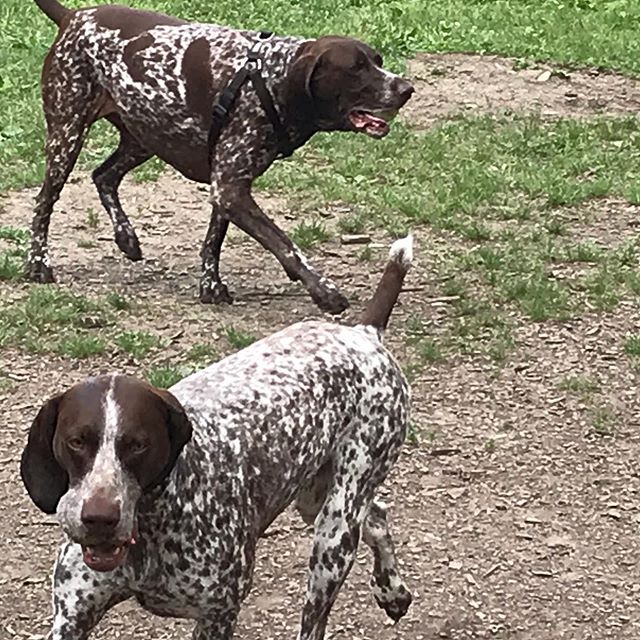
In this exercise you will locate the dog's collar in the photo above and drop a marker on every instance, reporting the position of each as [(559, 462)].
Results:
[(251, 69)]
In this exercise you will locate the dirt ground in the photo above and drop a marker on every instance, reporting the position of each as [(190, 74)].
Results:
[(512, 517)]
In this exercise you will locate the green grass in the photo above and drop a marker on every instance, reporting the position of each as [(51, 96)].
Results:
[(165, 376), (495, 187), (603, 421), (117, 301), (137, 344), (352, 223), (478, 169), (202, 354), (80, 345), (50, 319), (308, 234), (13, 251), (237, 338), (197, 356), (579, 384), (93, 219), (632, 345), (603, 33)]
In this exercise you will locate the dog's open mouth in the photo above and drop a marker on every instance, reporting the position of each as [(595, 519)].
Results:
[(106, 556), (374, 124)]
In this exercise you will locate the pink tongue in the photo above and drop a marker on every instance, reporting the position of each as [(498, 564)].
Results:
[(363, 120)]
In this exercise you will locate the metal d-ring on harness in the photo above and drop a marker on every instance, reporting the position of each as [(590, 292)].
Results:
[(252, 70)]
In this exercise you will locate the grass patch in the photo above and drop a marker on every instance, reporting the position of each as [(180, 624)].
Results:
[(13, 252), (429, 351), (150, 171), (352, 223), (80, 345), (413, 434), (603, 421), (581, 385), (514, 172), (50, 319), (479, 169), (308, 234), (426, 347), (117, 301), (93, 219), (166, 376), (6, 383), (237, 338), (137, 344), (631, 345), (202, 353)]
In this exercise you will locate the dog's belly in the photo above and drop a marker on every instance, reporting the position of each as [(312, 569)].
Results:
[(184, 148)]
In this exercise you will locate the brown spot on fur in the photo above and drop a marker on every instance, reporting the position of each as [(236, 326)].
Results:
[(196, 70), (133, 62)]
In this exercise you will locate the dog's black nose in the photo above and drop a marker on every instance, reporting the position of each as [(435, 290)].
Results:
[(404, 89), (100, 514)]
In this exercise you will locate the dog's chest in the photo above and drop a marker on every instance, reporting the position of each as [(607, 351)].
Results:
[(188, 576)]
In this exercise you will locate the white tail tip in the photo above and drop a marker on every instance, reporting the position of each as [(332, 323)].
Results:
[(402, 251)]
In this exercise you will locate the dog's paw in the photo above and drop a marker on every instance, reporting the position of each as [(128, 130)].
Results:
[(395, 604), (214, 293), (129, 244), (40, 272), (330, 300)]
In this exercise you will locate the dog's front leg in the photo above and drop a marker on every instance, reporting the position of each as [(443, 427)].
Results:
[(235, 203), (81, 596), (221, 628)]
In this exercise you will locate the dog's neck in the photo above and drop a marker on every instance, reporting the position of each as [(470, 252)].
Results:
[(296, 108)]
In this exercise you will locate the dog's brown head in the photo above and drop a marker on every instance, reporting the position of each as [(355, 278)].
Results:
[(343, 81), (91, 454)]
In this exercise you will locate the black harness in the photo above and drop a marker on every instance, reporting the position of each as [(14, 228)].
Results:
[(250, 70)]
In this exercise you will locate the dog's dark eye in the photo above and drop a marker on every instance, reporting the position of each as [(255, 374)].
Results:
[(137, 447), (77, 443), (378, 60)]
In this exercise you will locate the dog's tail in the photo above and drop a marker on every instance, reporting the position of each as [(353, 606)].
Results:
[(53, 10), (384, 299)]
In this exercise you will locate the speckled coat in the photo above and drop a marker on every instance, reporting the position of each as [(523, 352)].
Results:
[(156, 78)]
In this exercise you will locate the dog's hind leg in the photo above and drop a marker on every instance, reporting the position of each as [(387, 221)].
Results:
[(68, 118), (212, 289), (388, 588), (107, 178), (360, 464)]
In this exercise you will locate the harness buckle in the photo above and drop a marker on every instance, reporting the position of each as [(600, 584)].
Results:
[(219, 112), (254, 59)]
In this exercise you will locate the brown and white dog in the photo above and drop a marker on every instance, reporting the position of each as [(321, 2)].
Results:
[(156, 79), (164, 494)]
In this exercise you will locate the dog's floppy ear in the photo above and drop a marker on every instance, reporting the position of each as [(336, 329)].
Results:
[(306, 64), (178, 428), (45, 480)]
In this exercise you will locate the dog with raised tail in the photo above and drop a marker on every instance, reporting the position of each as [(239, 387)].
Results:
[(163, 495)]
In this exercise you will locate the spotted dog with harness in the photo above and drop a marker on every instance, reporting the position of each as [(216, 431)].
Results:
[(156, 79), (164, 494)]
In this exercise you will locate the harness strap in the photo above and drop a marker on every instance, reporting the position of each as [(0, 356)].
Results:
[(222, 106), (252, 70)]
